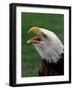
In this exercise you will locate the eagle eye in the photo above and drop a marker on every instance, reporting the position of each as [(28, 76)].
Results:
[(44, 35)]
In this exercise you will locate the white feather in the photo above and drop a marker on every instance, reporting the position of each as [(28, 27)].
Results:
[(51, 48)]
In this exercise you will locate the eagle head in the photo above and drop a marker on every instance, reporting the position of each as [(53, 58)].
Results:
[(48, 45)]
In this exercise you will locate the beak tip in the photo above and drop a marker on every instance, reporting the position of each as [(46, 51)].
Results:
[(28, 41)]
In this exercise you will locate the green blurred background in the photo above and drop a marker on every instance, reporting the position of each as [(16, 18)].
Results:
[(30, 57)]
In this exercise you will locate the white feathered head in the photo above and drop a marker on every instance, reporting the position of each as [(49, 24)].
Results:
[(47, 44)]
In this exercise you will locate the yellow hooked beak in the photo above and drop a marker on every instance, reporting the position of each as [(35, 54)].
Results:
[(36, 38), (34, 30)]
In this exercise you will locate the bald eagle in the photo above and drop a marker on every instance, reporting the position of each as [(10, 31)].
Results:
[(51, 50)]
